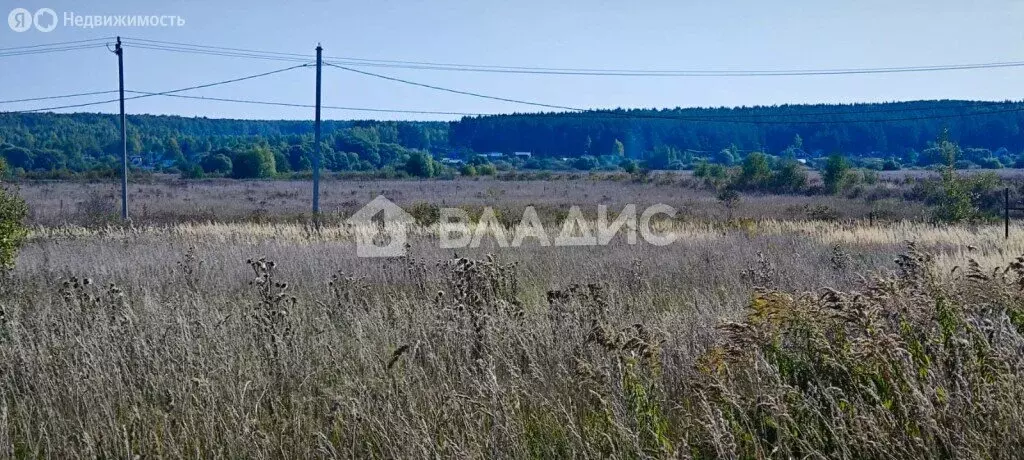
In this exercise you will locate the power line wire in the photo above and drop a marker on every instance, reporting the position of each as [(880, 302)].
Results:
[(427, 65), (729, 117), (219, 53), (739, 118), (455, 91), (221, 48), (56, 44), (588, 113), (591, 113), (51, 50), (415, 65), (190, 88), (685, 73), (309, 106), (63, 96)]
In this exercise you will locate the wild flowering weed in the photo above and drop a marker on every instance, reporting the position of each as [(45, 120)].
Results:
[(271, 314)]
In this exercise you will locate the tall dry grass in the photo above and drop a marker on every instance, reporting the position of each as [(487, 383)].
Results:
[(752, 339)]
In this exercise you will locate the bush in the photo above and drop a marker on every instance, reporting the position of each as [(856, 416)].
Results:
[(216, 164), (990, 163), (713, 174), (837, 175), (755, 172), (281, 163), (255, 163), (192, 171), (12, 223), (789, 178), (891, 165), (486, 169), (870, 176), (959, 196), (585, 163), (420, 164), (729, 197)]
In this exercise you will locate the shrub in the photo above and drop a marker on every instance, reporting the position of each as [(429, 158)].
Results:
[(12, 223), (192, 171), (254, 163), (585, 163), (713, 174), (281, 163), (755, 173), (486, 169), (891, 165), (420, 164), (789, 178), (729, 197), (837, 175), (959, 196), (216, 164), (990, 163), (869, 176)]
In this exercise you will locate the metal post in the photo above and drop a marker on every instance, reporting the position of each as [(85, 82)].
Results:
[(1006, 213), (124, 133), (316, 140)]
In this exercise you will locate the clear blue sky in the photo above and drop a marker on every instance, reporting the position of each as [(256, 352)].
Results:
[(642, 34)]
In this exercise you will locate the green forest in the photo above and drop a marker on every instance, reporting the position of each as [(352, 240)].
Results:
[(877, 136)]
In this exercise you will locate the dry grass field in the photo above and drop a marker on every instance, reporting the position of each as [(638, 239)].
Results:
[(169, 201), (768, 335)]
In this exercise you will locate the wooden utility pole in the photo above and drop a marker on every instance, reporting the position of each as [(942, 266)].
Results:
[(124, 133), (316, 140), (1006, 212)]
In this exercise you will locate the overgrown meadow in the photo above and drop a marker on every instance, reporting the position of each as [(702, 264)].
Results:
[(807, 336)]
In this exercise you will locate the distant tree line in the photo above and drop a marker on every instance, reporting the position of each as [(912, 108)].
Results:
[(197, 147), (628, 140), (686, 136)]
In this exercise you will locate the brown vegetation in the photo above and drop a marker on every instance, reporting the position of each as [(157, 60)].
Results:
[(740, 340), (166, 202)]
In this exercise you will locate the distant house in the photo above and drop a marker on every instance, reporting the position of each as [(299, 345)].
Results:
[(452, 161), (523, 155), (492, 155), (138, 161)]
